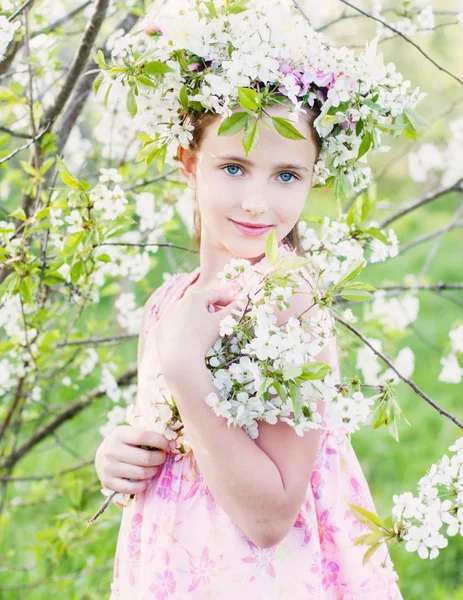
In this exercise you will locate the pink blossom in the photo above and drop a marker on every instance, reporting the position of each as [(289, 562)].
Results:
[(164, 585)]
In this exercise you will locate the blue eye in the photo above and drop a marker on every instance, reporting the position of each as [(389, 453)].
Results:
[(232, 167), (287, 173)]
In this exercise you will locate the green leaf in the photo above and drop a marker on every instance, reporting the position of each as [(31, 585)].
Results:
[(132, 103), (234, 124), (354, 270), (97, 83), (377, 233), (342, 186), (287, 129), (156, 68), (291, 264), (25, 289), (296, 397), (359, 127), (315, 370), (184, 98), (41, 214), (373, 105), (19, 214), (27, 167), (249, 98), (46, 165), (106, 96), (361, 540), (365, 144), (54, 278), (365, 516), (291, 373), (251, 137), (414, 118), (144, 80), (72, 241), (104, 258), (77, 269), (211, 8), (369, 553), (355, 295), (271, 248), (70, 181)]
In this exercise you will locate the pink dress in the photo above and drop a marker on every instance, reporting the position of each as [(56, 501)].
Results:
[(175, 541)]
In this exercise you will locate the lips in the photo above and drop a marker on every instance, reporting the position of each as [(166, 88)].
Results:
[(253, 229)]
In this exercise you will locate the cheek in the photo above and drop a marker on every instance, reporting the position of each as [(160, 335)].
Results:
[(288, 207)]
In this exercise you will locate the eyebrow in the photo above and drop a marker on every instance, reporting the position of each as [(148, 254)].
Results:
[(251, 164)]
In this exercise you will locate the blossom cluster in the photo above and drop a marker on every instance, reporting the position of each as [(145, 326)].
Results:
[(452, 371), (7, 33), (217, 56), (438, 506), (332, 247)]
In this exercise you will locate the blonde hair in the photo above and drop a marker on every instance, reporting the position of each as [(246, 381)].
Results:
[(200, 122)]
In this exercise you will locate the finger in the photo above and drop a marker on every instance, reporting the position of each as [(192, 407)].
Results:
[(126, 471), (217, 297), (136, 456), (124, 486), (142, 437)]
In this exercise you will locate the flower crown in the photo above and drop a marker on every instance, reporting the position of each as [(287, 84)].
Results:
[(225, 54)]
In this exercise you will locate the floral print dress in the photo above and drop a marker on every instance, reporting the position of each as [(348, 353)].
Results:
[(175, 541)]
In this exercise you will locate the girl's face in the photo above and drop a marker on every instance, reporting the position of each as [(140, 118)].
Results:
[(268, 188)]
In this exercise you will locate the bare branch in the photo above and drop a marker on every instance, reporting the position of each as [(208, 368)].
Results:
[(75, 467), (69, 412), (408, 381), (95, 341), (79, 61), (63, 20), (429, 236), (402, 35), (20, 9), (33, 140), (456, 187), (160, 245)]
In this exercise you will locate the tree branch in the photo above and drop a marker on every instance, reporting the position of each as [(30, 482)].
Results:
[(402, 35), (408, 381), (456, 187), (68, 413)]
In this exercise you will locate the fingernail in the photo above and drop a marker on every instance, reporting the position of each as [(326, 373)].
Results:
[(173, 445)]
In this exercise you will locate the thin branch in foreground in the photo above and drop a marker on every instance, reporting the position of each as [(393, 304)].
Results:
[(429, 236), (456, 187), (402, 35), (408, 381), (20, 10), (69, 412), (160, 245), (75, 467), (21, 148)]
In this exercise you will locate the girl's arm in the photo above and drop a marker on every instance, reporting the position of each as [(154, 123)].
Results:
[(260, 484)]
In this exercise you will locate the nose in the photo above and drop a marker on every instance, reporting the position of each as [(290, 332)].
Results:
[(254, 202)]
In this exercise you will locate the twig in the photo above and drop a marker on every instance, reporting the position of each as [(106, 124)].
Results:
[(68, 413), (408, 381), (75, 467), (456, 187), (20, 10), (160, 245), (402, 35), (21, 148)]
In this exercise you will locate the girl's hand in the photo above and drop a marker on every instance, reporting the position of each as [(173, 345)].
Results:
[(189, 327), (118, 460)]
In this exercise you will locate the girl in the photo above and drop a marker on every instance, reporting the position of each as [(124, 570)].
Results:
[(235, 517)]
